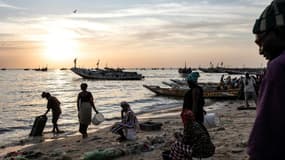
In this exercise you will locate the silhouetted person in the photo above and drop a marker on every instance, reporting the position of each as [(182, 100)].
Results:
[(249, 89), (193, 99), (84, 106), (128, 121), (195, 142), (267, 137), (53, 104)]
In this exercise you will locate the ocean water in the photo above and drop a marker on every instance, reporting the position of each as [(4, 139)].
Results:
[(21, 102)]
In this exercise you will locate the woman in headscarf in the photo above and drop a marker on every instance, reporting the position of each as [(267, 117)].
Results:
[(84, 106), (128, 121), (195, 143), (193, 99)]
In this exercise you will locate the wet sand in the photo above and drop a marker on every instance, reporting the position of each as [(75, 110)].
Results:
[(230, 137)]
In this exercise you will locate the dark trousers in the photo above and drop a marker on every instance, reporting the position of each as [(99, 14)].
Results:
[(83, 128)]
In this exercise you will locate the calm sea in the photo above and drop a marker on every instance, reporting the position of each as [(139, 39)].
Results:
[(21, 102)]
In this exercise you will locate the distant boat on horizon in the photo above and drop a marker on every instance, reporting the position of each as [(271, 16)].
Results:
[(185, 71), (41, 69), (62, 69)]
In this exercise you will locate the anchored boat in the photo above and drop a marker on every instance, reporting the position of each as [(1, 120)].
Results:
[(179, 92), (106, 74)]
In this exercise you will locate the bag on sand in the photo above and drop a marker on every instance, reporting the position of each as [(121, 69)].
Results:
[(98, 118), (211, 120), (39, 125)]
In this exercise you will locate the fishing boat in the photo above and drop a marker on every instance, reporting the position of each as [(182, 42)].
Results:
[(41, 69), (180, 92), (106, 74), (184, 71), (244, 70), (212, 70), (232, 70), (63, 69)]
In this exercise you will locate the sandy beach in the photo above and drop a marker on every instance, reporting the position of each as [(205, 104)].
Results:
[(230, 137)]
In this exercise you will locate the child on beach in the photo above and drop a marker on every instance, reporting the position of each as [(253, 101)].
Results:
[(129, 121), (84, 107), (53, 104)]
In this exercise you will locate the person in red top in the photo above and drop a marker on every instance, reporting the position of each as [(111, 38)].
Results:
[(53, 104)]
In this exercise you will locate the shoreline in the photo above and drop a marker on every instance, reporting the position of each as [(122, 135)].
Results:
[(230, 137)]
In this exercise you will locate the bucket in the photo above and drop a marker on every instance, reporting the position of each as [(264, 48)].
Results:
[(130, 133), (98, 118), (211, 120)]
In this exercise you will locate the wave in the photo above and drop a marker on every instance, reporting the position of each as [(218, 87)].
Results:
[(4, 130)]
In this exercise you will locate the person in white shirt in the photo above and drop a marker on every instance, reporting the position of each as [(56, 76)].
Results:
[(249, 89)]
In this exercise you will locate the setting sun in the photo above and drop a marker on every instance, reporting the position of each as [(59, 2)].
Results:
[(60, 45)]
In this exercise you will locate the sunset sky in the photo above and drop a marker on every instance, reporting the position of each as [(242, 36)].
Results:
[(129, 33)]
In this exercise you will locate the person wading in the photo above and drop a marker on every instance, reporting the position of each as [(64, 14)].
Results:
[(53, 104)]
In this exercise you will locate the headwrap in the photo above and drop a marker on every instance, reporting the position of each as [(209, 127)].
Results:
[(193, 76), (45, 94), (125, 104), (187, 116), (271, 18)]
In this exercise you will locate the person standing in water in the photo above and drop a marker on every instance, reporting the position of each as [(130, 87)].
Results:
[(84, 107), (53, 104)]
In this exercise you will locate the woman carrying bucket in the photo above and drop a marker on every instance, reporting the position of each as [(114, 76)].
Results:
[(84, 106)]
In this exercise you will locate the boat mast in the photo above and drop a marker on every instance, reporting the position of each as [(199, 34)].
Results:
[(74, 61), (97, 64)]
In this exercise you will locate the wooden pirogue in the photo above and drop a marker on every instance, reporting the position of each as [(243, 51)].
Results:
[(179, 92)]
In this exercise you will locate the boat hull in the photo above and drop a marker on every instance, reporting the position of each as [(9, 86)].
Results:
[(180, 92), (106, 75)]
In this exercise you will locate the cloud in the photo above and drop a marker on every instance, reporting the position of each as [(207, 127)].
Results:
[(171, 22), (12, 45), (7, 6), (180, 22)]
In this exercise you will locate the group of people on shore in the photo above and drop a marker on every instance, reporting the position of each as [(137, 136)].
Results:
[(85, 104), (195, 141), (248, 85), (267, 136)]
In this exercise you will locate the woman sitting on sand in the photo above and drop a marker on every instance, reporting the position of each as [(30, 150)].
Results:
[(129, 121), (195, 142)]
